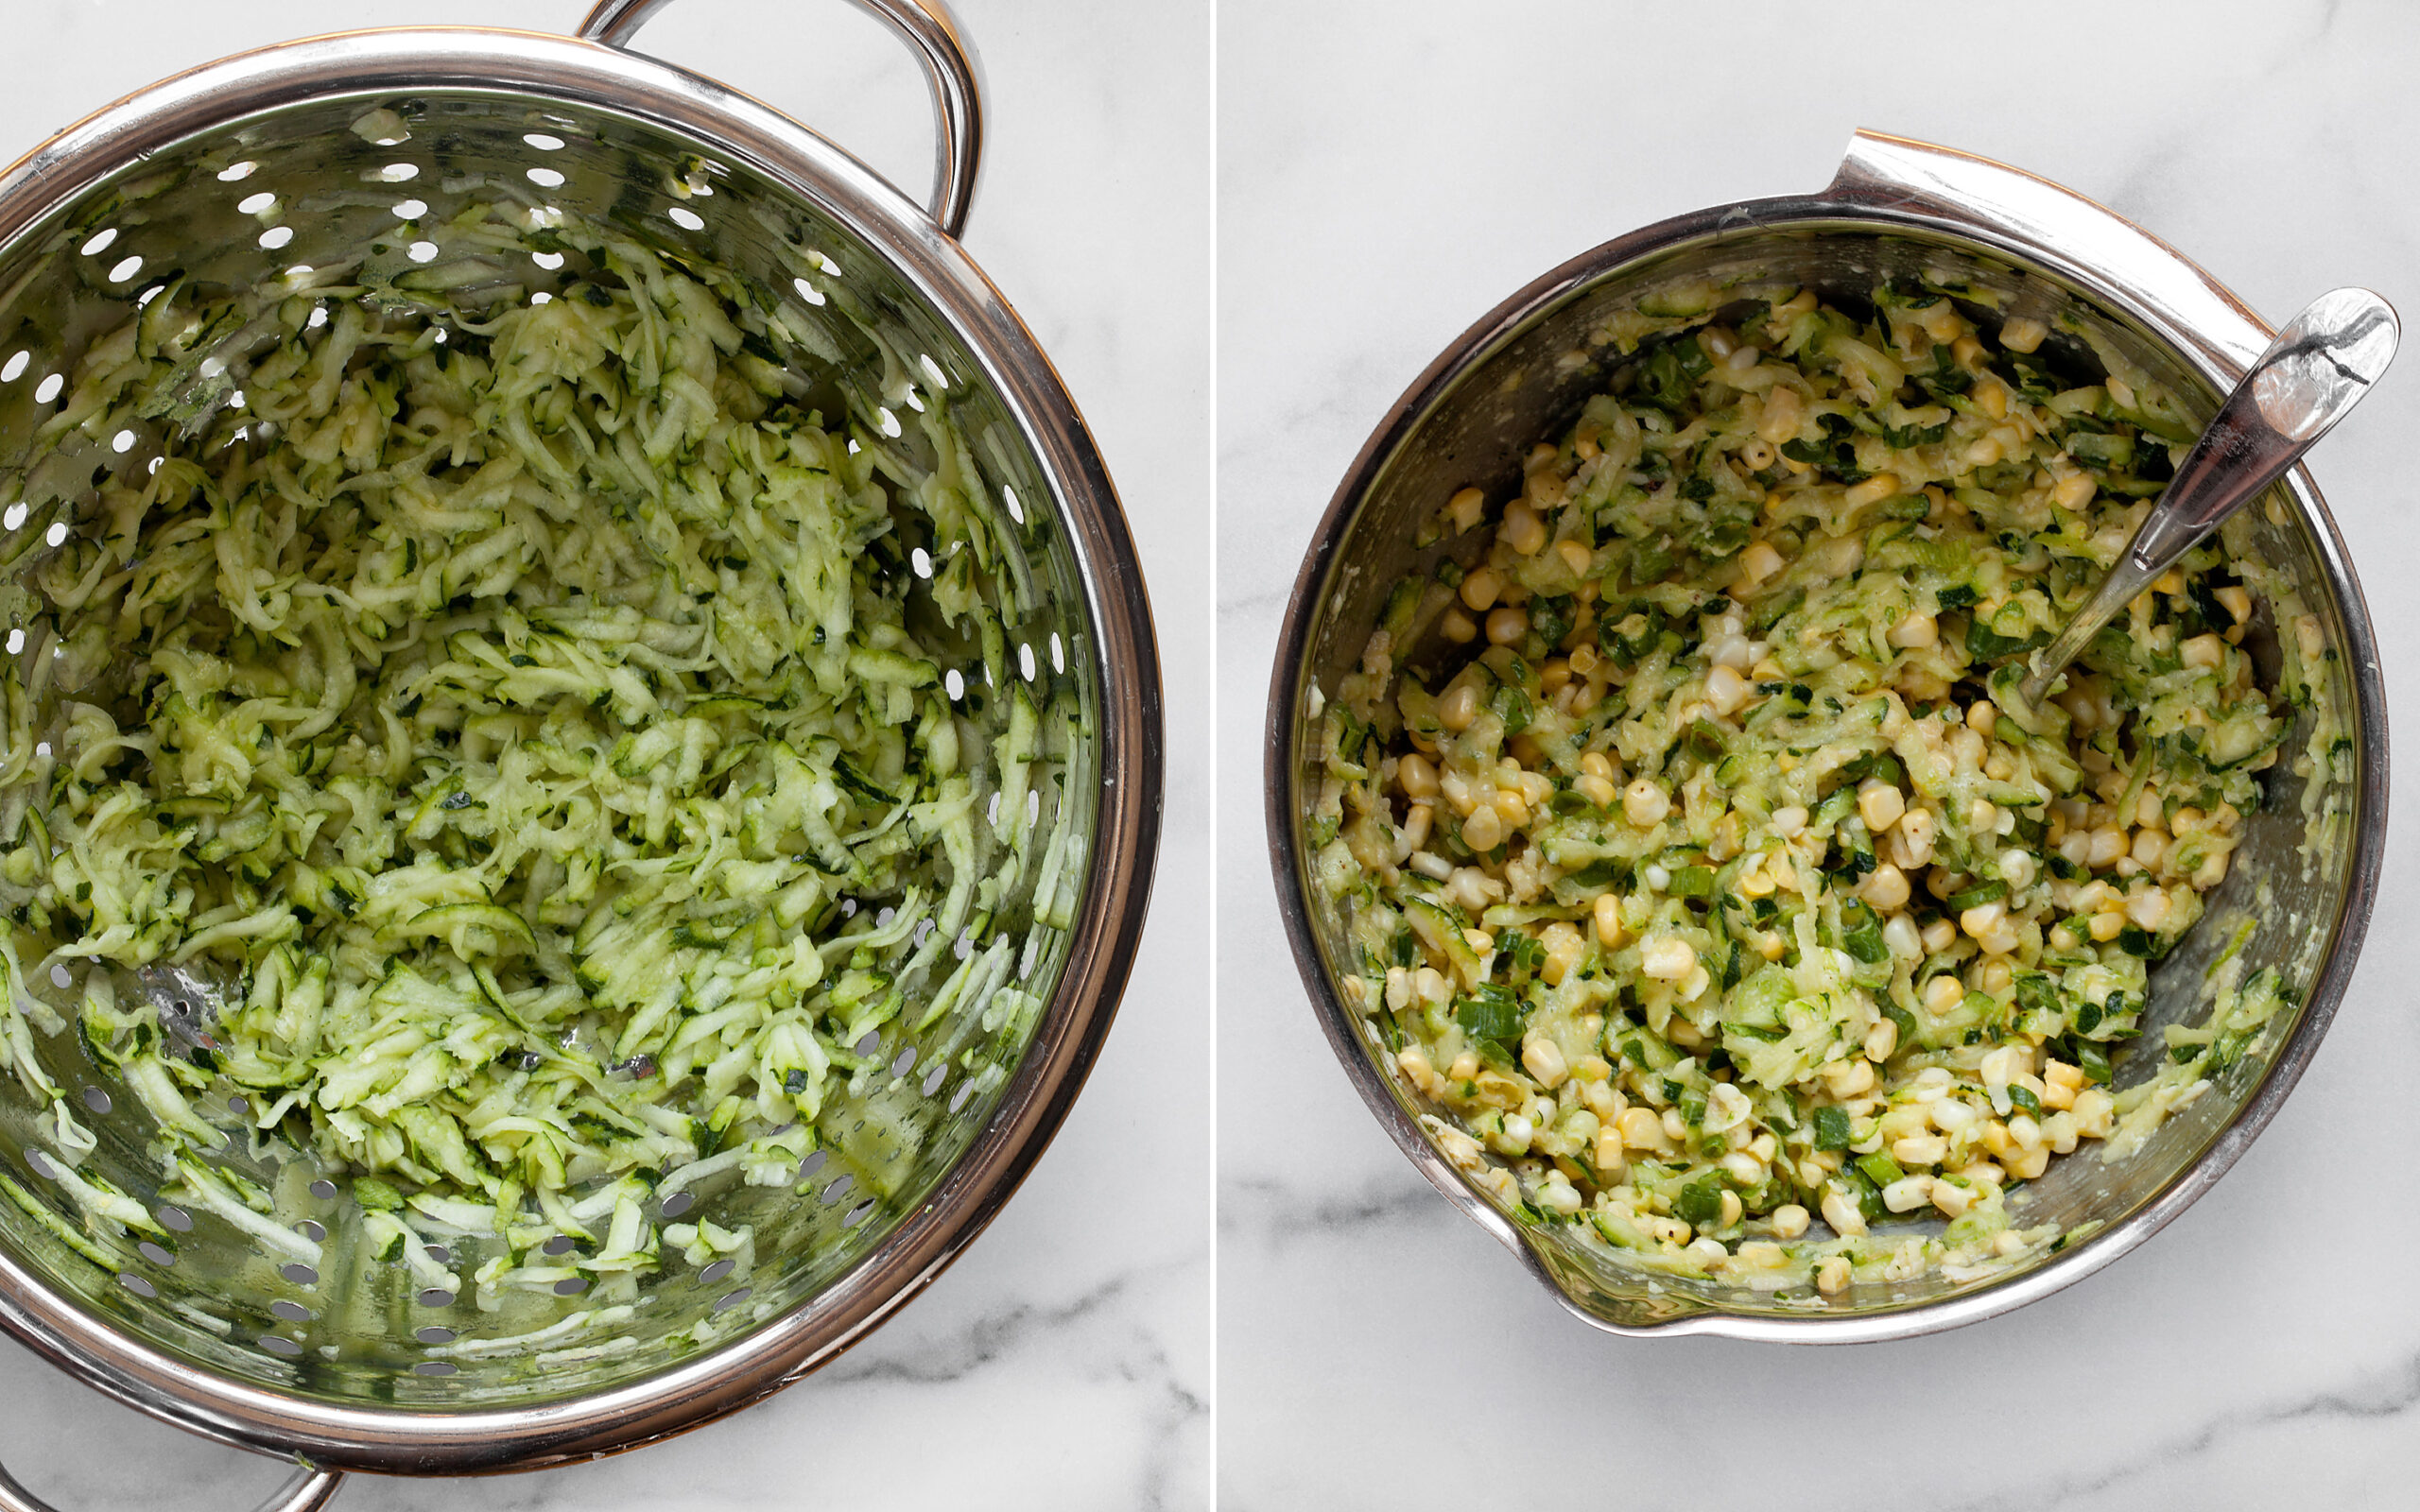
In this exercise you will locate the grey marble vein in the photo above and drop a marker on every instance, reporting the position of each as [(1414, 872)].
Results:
[(1278, 1214), (2372, 1400)]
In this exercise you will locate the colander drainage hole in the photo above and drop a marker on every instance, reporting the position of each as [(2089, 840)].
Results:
[(15, 368), (299, 1273), (136, 1284), (571, 1286), (675, 1205), (437, 1297), (731, 1299), (324, 1188), (811, 1164), (434, 1368), (312, 1228), (434, 1334), (48, 389), (560, 1245), (439, 1254), (867, 1045), (965, 1090), (255, 204), (715, 1272), (59, 977), (906, 1063), (291, 1311), (280, 1344), (153, 1253), (546, 178), (177, 1218), (857, 1215), (42, 1165), (933, 1079), (686, 219), (100, 242), (837, 1190)]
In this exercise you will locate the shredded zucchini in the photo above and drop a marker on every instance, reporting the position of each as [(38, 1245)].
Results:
[(517, 714)]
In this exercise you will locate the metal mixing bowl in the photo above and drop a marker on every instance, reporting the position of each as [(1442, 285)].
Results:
[(330, 133), (1520, 375)]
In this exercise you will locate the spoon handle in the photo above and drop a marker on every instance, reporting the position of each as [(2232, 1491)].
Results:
[(2319, 367)]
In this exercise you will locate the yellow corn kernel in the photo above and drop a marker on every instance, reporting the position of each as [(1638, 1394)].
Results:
[(1667, 958), (1642, 1130), (1542, 1058), (1522, 529), (1563, 948), (1783, 409), (1758, 562), (1880, 804), (1918, 630), (1645, 802), (1872, 490), (1485, 829), (1608, 914), (1459, 707), (2021, 333)]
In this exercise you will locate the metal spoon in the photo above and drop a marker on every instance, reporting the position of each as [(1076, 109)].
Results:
[(2316, 371)]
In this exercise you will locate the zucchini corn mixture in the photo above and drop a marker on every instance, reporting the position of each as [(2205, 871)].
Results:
[(1696, 869), (510, 712)]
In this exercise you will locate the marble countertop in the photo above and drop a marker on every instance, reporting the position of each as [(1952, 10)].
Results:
[(1388, 172), (1065, 1361)]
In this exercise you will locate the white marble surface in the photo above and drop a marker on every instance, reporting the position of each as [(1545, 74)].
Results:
[(1065, 1362), (1388, 172)]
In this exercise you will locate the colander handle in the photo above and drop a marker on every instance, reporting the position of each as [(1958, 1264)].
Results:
[(307, 1492), (951, 67)]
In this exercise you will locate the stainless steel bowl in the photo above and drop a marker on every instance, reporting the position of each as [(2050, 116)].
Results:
[(1520, 375), (214, 1338)]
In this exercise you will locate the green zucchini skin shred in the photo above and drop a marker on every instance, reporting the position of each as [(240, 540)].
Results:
[(523, 711)]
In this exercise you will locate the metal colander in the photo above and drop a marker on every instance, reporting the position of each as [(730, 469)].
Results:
[(299, 157)]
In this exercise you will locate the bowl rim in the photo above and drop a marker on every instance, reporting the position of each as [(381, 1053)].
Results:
[(1888, 186), (548, 68)]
